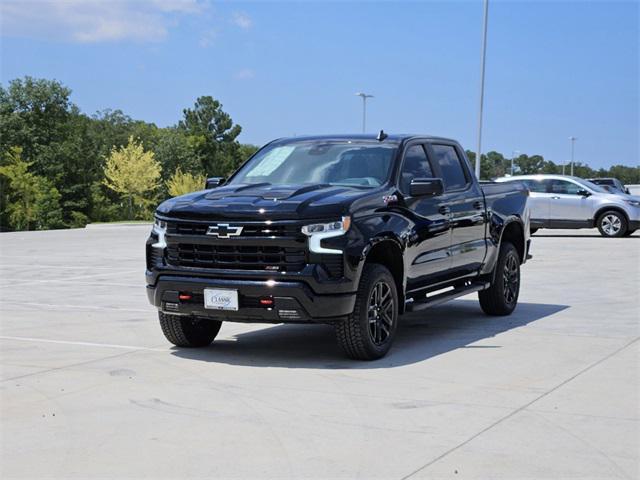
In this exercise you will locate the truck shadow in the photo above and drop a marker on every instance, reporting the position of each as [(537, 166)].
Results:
[(565, 235), (421, 335)]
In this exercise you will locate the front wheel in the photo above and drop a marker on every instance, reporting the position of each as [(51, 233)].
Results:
[(501, 297), (367, 334), (612, 224), (185, 331)]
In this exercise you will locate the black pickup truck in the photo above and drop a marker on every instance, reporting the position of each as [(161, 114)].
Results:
[(351, 231)]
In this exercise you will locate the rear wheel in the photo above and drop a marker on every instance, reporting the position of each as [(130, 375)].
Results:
[(367, 334), (185, 331), (501, 297), (612, 224)]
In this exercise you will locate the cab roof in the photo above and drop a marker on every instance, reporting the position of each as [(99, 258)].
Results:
[(370, 137)]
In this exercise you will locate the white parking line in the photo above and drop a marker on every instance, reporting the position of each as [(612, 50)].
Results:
[(84, 344), (78, 277), (79, 307)]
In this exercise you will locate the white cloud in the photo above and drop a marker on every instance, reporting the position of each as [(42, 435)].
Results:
[(244, 74), (91, 21), (208, 38), (242, 20)]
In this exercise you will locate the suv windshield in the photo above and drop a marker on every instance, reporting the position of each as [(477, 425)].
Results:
[(345, 162)]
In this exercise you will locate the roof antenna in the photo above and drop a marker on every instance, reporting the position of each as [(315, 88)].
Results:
[(381, 136)]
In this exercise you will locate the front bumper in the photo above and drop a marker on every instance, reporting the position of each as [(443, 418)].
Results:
[(293, 301)]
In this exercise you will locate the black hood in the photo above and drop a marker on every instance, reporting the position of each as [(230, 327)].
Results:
[(264, 201)]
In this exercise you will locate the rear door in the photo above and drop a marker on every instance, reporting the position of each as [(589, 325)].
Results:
[(427, 255), (465, 200), (539, 202)]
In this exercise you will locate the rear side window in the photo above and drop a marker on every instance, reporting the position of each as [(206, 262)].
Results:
[(535, 186), (452, 172)]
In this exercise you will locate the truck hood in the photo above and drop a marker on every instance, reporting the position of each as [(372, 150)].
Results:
[(265, 201)]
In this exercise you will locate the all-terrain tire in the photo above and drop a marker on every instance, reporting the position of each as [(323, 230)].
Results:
[(185, 331), (367, 334), (612, 224), (501, 297)]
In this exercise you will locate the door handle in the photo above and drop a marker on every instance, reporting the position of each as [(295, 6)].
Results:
[(444, 210), (478, 205)]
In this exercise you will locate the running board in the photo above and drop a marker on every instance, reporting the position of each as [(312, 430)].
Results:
[(414, 306)]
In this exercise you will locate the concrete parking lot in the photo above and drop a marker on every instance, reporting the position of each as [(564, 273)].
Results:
[(90, 387)]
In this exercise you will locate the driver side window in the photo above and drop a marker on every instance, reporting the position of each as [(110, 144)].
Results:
[(563, 187), (415, 165)]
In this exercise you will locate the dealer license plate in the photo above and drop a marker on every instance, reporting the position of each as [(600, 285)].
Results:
[(217, 299)]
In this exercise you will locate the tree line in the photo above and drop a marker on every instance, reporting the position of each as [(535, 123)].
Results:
[(495, 164), (61, 168)]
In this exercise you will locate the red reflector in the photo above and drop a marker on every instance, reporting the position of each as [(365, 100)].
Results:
[(266, 301), (184, 296)]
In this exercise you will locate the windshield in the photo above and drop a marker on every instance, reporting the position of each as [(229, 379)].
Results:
[(354, 163)]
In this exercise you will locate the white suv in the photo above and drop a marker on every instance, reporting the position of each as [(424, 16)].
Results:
[(559, 201)]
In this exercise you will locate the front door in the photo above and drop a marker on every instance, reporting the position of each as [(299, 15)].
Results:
[(427, 255), (566, 206)]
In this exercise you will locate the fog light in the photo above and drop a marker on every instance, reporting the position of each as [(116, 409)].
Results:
[(266, 302)]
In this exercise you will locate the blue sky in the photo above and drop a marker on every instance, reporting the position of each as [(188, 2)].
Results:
[(554, 69)]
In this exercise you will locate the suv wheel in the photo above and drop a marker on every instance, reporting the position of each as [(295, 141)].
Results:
[(185, 331), (612, 224), (367, 334), (501, 297)]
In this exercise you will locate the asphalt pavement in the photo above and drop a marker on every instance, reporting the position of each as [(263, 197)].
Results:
[(90, 388)]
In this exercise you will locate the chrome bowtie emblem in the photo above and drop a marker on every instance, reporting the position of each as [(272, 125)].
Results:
[(224, 230)]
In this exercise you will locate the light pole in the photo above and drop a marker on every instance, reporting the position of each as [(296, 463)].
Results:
[(482, 62), (513, 156), (364, 109), (573, 141)]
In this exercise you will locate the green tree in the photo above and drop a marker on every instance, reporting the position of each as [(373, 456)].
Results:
[(212, 135), (31, 201), (133, 173), (184, 182)]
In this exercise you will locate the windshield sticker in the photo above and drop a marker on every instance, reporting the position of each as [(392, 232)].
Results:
[(271, 161)]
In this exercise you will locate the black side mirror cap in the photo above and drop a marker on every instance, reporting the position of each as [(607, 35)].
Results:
[(584, 193), (213, 182), (426, 187)]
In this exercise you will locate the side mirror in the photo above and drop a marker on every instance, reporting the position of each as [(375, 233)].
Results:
[(213, 182), (584, 193), (426, 187)]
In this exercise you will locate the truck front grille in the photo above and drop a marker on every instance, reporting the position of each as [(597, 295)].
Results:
[(270, 258), (249, 229)]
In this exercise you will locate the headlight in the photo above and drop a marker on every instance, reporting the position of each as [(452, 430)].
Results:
[(319, 231), (160, 229), (633, 203)]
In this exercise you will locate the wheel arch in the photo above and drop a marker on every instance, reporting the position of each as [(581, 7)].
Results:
[(388, 251), (513, 231), (607, 208)]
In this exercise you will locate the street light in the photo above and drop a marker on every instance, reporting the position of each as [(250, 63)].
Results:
[(364, 109), (482, 62), (573, 141), (513, 156)]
